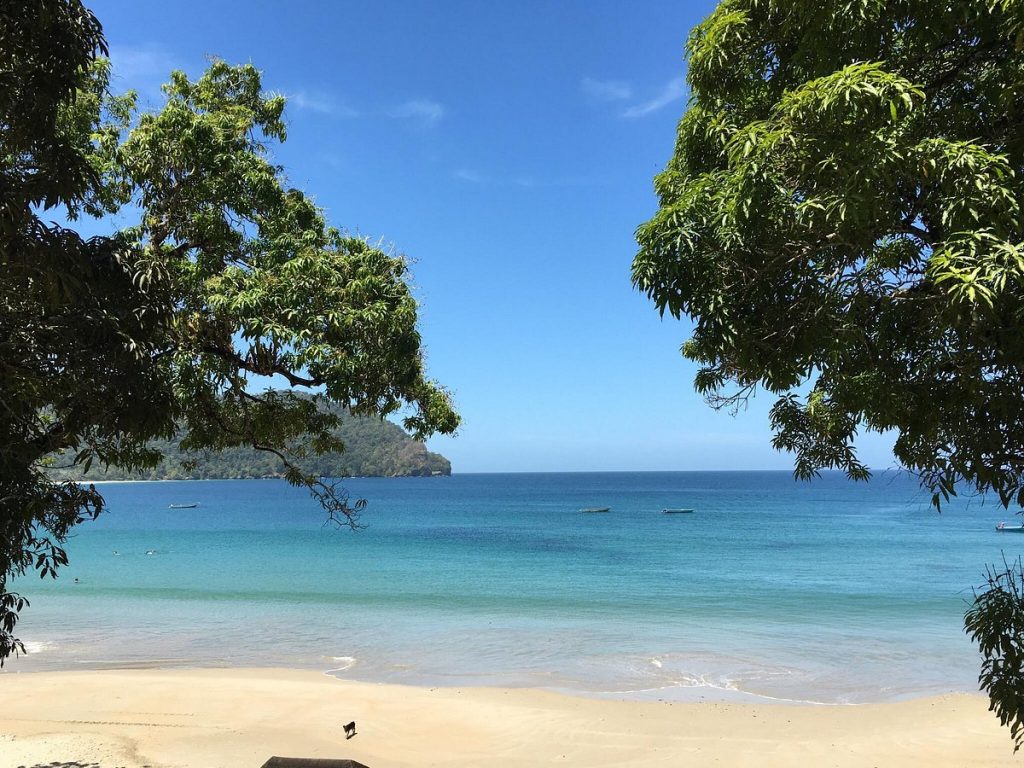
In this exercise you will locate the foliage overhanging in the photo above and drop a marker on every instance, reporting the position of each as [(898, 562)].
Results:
[(228, 274), (842, 221)]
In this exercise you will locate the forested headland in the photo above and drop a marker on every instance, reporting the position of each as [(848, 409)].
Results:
[(373, 448)]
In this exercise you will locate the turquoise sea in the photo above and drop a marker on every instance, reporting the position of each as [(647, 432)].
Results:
[(826, 591)]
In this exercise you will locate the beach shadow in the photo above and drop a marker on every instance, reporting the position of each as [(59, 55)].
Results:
[(72, 764)]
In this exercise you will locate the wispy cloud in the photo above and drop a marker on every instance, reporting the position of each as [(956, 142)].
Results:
[(143, 68), (468, 175), (333, 160), (142, 62), (424, 110), (320, 103), (606, 90), (673, 90), (472, 176)]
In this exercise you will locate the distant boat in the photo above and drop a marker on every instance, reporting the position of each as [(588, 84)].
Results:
[(677, 511), (1004, 528), (596, 509), (183, 506)]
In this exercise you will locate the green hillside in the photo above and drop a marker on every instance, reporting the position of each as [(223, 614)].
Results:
[(373, 448)]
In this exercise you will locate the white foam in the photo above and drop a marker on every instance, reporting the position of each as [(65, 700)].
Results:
[(717, 683), (344, 662), (36, 646)]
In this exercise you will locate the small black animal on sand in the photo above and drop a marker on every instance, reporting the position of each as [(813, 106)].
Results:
[(350, 730)]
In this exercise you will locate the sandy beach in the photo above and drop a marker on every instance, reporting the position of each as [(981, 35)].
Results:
[(237, 717)]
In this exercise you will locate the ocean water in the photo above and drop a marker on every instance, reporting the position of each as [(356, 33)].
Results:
[(828, 591)]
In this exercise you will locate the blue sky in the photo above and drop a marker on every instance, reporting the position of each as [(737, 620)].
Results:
[(509, 150)]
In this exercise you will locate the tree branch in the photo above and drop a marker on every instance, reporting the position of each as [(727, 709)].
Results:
[(260, 370)]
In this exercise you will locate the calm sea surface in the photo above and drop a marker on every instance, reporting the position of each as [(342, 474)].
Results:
[(826, 591)]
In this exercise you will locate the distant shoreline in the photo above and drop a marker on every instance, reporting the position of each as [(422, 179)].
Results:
[(246, 479), (875, 474)]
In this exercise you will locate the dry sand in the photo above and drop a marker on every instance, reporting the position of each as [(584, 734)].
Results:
[(227, 718)]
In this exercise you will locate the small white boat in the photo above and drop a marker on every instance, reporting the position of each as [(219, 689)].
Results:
[(183, 506), (596, 509), (1004, 528), (677, 511)]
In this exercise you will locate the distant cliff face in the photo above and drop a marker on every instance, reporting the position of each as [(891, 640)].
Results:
[(373, 448)]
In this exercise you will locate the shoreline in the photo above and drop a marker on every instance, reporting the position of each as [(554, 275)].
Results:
[(679, 693), (86, 481), (222, 718)]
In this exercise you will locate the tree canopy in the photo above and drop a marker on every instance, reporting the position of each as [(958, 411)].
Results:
[(842, 221), (227, 274), (843, 209)]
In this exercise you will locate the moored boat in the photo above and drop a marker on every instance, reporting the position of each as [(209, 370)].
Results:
[(596, 509), (1004, 528), (183, 506), (677, 511)]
